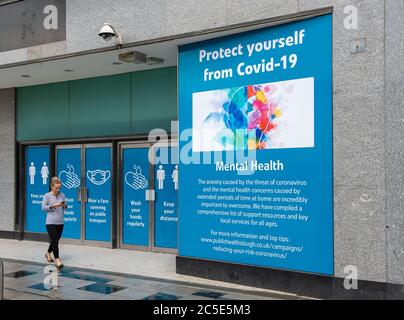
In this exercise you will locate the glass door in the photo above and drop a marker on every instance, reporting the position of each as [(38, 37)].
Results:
[(165, 215), (97, 195), (69, 170), (135, 206), (86, 175), (148, 186)]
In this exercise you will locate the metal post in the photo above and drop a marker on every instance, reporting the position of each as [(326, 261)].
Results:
[(1, 280)]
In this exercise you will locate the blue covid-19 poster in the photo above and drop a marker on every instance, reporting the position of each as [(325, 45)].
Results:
[(68, 168), (98, 207), (165, 206), (135, 207), (37, 178), (255, 114)]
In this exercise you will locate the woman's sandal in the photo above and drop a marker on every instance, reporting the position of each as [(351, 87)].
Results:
[(48, 257), (60, 266)]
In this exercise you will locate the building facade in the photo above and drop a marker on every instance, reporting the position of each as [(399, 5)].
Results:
[(66, 92)]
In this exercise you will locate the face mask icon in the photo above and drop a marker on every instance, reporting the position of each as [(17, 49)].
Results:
[(98, 177)]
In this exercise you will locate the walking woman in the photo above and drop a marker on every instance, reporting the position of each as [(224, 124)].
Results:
[(54, 203)]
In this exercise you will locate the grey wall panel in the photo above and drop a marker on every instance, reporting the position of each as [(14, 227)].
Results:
[(395, 140), (7, 159), (140, 20), (359, 140)]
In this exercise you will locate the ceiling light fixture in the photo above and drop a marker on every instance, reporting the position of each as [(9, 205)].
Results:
[(133, 57), (153, 60)]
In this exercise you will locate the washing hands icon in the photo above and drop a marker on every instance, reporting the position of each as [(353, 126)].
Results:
[(69, 178), (135, 179)]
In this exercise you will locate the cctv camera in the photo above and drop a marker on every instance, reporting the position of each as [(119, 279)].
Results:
[(107, 32)]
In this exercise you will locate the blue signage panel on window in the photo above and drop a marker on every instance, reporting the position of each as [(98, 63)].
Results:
[(260, 107), (135, 208), (98, 182), (69, 172), (166, 186), (37, 185)]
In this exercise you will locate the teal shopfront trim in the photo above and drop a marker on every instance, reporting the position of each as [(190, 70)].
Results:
[(119, 105)]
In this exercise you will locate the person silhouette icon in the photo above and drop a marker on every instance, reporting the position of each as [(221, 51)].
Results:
[(161, 175), (174, 176), (31, 173), (44, 173)]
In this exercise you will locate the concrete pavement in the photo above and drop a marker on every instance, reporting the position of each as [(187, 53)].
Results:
[(118, 261)]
